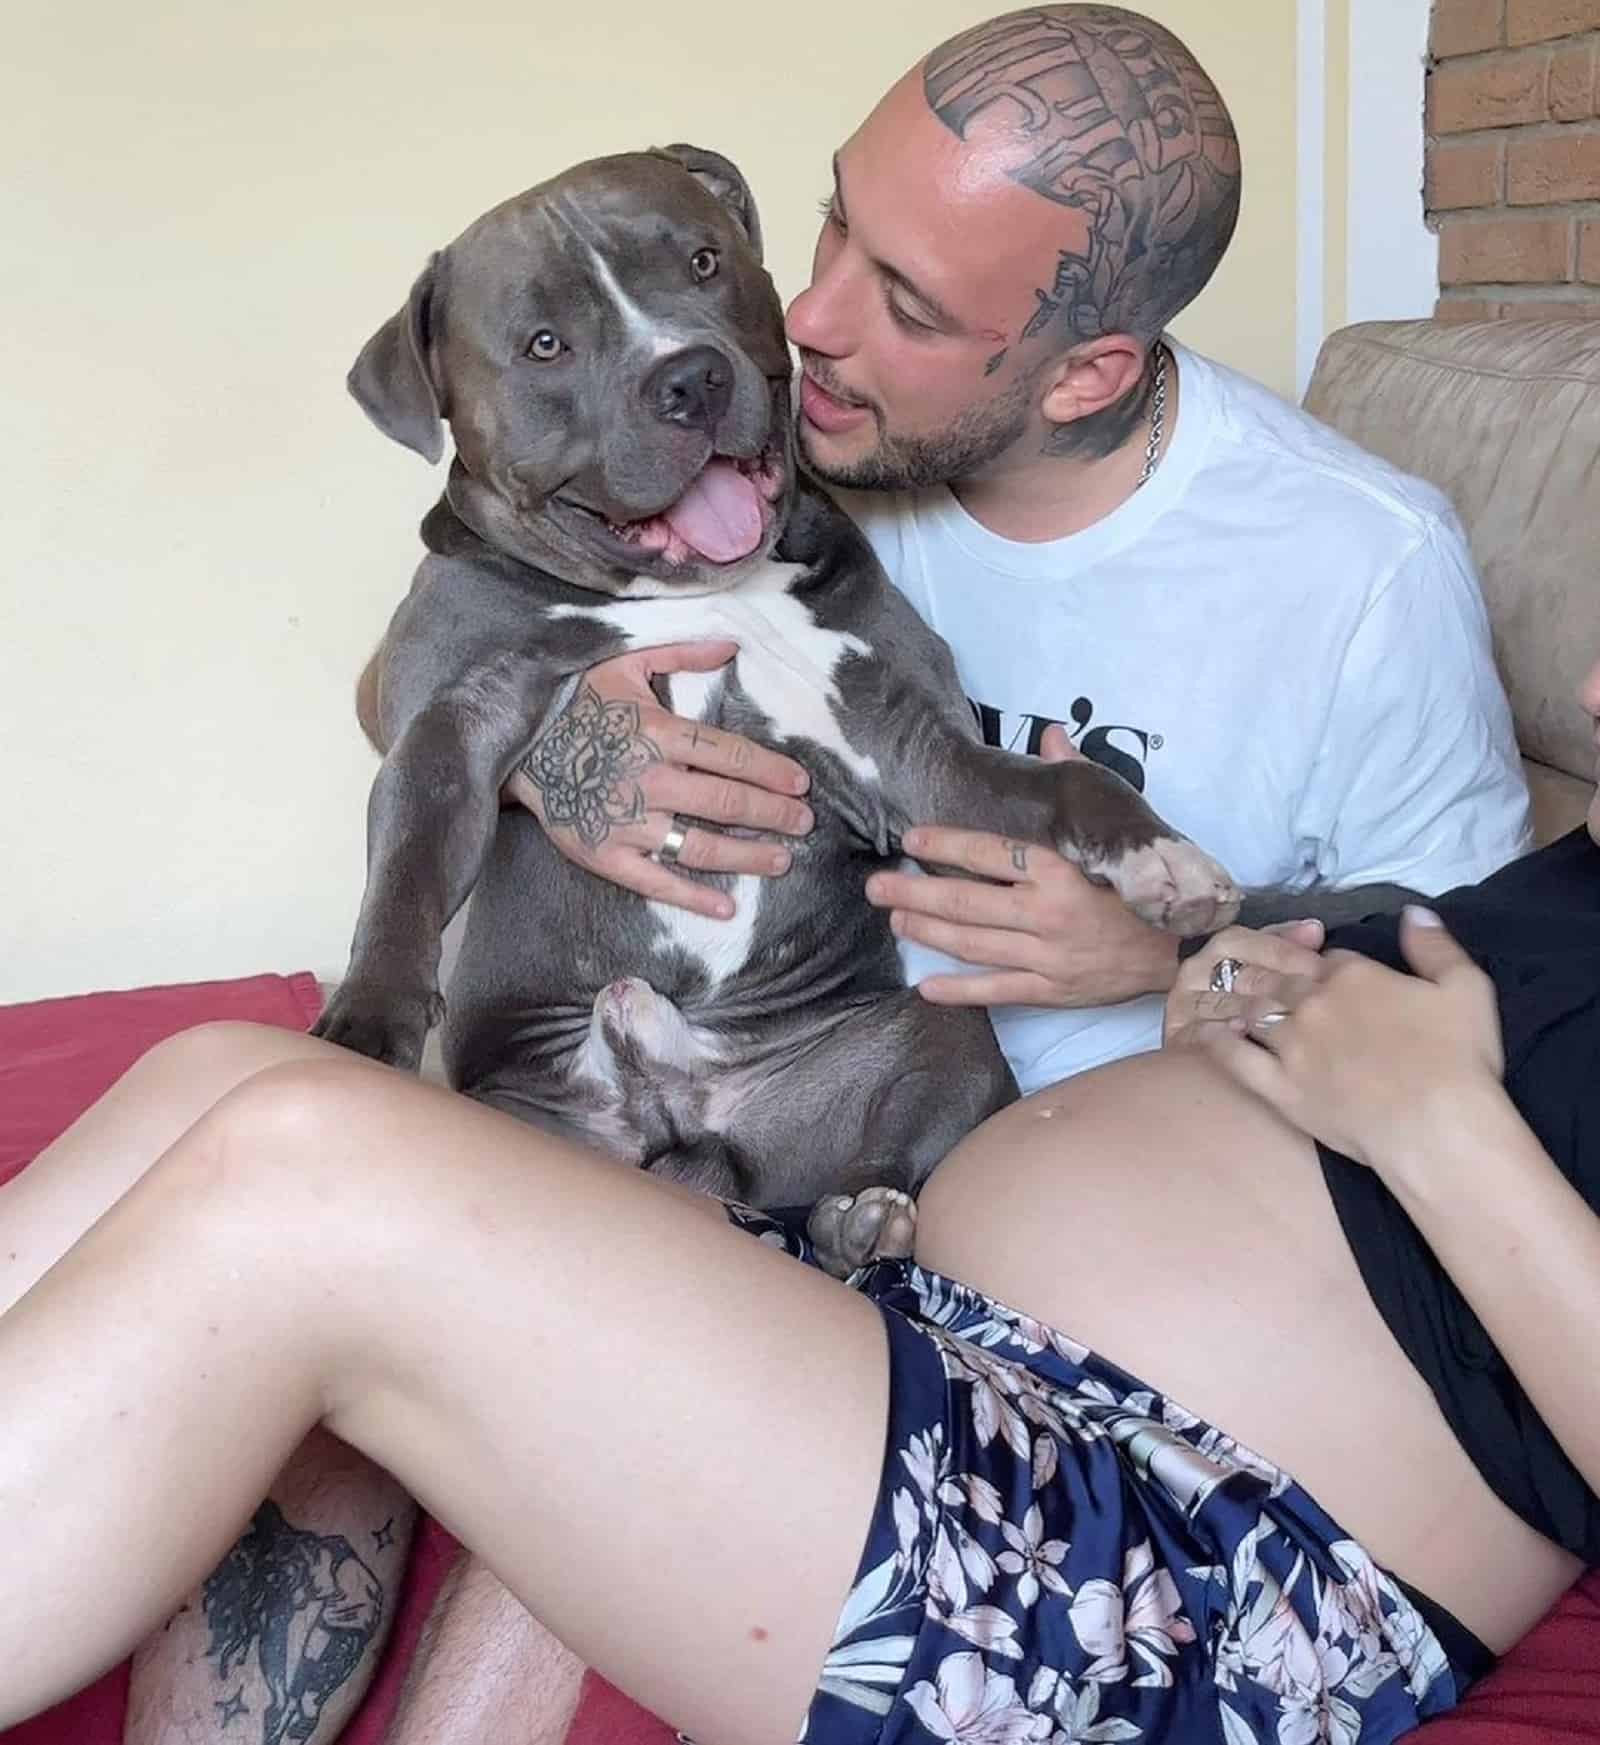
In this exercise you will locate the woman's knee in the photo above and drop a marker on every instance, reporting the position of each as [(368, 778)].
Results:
[(207, 1061), (286, 1124)]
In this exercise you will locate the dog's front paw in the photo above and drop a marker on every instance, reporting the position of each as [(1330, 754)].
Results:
[(848, 1230), (1172, 884), (380, 1023)]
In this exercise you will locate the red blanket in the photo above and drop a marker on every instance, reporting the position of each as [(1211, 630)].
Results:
[(57, 1056)]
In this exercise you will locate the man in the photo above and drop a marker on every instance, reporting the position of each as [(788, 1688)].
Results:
[(1275, 635), (1132, 551)]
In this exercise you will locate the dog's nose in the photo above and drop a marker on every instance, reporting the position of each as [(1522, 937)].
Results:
[(692, 388)]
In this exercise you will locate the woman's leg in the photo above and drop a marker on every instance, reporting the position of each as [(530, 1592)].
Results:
[(92, 1165), (326, 1491), (665, 1436)]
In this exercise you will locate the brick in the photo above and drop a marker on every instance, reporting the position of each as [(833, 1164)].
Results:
[(1589, 254), (1464, 173), (1544, 20), (1504, 251), (1500, 90), (1558, 309), (1463, 27), (1558, 167), (1572, 81), (1465, 309)]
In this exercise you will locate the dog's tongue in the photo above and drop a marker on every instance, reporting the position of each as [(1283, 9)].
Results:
[(719, 515)]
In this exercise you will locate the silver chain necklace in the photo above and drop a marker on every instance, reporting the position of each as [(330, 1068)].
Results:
[(1158, 417)]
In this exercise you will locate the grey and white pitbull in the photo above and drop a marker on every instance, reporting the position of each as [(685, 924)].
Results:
[(609, 356)]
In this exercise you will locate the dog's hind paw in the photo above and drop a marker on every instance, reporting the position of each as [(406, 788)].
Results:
[(849, 1230)]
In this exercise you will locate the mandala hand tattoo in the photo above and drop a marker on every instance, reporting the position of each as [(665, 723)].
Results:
[(1127, 131), (586, 763)]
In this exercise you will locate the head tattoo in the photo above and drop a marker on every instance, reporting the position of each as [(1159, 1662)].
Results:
[(1124, 127)]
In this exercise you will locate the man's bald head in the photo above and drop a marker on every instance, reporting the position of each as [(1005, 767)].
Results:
[(1011, 228), (1106, 115)]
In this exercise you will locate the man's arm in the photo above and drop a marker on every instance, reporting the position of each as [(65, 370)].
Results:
[(367, 701)]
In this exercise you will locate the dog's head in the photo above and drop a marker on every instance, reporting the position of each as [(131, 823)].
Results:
[(609, 355)]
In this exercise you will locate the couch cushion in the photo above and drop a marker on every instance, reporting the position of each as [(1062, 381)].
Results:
[(1560, 801), (1504, 417)]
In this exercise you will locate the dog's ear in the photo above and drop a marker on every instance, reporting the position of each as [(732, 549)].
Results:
[(391, 379), (721, 178)]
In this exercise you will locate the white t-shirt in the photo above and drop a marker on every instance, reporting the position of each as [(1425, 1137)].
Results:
[(1280, 640)]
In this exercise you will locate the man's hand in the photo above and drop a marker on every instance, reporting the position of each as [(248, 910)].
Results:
[(612, 773), (1046, 935)]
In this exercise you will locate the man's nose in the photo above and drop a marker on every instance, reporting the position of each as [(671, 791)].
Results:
[(820, 319)]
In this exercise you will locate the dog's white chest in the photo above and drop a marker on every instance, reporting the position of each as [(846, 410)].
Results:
[(786, 660), (786, 666)]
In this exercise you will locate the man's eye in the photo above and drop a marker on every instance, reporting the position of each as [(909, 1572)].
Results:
[(908, 322), (545, 346)]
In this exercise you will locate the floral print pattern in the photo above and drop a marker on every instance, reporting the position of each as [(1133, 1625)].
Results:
[(1060, 1554)]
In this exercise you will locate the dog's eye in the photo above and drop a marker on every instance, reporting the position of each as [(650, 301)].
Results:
[(545, 345), (703, 263)]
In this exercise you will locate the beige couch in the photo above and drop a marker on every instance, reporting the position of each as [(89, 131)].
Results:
[(1504, 417)]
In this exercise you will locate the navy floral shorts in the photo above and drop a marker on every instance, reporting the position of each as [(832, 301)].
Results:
[(1060, 1554)]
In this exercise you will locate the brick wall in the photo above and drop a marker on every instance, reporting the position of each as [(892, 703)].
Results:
[(1513, 177)]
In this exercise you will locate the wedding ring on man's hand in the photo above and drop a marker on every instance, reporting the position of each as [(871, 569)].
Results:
[(672, 845), (1225, 974)]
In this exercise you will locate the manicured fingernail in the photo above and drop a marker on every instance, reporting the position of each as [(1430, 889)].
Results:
[(800, 781), (1420, 917), (778, 860), (875, 889), (912, 841), (897, 925), (724, 909)]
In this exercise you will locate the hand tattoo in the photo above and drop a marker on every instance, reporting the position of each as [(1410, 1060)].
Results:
[(584, 765), (1128, 132)]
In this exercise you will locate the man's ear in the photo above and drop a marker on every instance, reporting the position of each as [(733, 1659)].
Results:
[(391, 379), (722, 179), (1093, 375)]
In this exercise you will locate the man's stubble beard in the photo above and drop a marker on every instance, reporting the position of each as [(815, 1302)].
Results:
[(976, 439)]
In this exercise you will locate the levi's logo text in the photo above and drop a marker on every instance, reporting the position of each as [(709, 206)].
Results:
[(1122, 749)]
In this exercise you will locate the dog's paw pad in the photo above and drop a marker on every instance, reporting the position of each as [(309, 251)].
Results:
[(850, 1230)]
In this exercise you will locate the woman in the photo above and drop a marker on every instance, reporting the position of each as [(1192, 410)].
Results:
[(666, 1437)]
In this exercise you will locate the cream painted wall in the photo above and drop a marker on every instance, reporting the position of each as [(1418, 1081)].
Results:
[(207, 210)]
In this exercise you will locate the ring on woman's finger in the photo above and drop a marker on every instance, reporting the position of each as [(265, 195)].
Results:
[(672, 844), (1225, 975)]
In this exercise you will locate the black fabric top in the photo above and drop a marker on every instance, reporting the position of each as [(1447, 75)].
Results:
[(1535, 927)]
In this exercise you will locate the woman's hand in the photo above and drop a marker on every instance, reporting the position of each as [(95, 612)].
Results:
[(1269, 964), (1357, 1055)]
